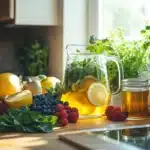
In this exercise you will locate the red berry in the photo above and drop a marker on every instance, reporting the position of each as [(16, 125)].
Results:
[(116, 116), (73, 117), (59, 107), (3, 107), (63, 122), (66, 107), (119, 116), (108, 111), (68, 112), (74, 109), (124, 116), (63, 114), (116, 109)]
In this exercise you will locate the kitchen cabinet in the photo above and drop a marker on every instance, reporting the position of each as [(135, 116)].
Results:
[(7, 10), (29, 12)]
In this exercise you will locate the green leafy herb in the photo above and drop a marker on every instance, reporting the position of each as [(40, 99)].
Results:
[(26, 121)]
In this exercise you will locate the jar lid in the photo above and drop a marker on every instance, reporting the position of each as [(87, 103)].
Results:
[(135, 82)]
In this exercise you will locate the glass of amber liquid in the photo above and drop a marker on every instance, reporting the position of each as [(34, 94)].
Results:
[(135, 98)]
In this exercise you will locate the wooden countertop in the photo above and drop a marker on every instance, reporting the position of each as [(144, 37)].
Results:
[(20, 141)]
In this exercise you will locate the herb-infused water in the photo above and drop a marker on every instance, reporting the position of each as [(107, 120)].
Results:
[(86, 80)]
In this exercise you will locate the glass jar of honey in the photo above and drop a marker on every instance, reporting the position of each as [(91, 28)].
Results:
[(135, 98)]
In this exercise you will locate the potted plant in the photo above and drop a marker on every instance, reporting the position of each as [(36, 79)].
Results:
[(33, 58)]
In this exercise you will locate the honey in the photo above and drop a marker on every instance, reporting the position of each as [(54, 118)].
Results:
[(135, 98)]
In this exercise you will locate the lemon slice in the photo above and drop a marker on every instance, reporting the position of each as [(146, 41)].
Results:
[(98, 94)]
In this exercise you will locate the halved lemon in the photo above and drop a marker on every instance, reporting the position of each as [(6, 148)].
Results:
[(98, 94)]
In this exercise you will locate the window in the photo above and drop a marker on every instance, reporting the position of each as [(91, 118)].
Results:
[(131, 15)]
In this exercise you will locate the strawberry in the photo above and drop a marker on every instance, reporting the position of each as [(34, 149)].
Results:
[(73, 117), (59, 107), (63, 122), (63, 114)]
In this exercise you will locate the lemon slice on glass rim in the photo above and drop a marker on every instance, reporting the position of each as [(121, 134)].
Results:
[(98, 94)]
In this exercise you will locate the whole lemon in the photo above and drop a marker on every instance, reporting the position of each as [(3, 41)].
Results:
[(9, 84), (49, 82)]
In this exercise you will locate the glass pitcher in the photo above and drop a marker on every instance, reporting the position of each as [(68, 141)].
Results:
[(86, 80)]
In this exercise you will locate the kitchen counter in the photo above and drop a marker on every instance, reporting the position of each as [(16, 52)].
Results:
[(49, 141)]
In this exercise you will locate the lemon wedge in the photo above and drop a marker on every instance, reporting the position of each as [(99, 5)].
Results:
[(98, 94), (19, 99)]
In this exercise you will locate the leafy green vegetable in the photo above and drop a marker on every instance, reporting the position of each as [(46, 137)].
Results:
[(26, 121)]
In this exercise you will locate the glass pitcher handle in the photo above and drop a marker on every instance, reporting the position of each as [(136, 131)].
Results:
[(120, 71)]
